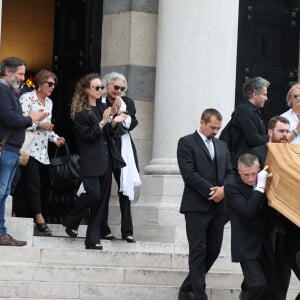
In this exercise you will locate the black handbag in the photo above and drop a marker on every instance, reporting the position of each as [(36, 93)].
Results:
[(64, 170)]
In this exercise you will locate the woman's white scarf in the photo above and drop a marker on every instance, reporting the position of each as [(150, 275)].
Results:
[(129, 174)]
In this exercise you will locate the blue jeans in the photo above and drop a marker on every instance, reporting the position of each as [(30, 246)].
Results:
[(8, 166)]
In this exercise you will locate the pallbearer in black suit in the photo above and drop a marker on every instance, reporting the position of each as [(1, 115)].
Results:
[(250, 242), (284, 234), (204, 163)]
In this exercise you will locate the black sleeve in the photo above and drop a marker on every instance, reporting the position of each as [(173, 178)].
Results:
[(246, 207), (251, 126)]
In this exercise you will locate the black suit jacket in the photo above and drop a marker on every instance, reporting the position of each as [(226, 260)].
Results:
[(261, 153), (200, 172), (96, 146), (247, 211)]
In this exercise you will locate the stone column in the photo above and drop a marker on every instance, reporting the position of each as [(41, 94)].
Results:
[(195, 69)]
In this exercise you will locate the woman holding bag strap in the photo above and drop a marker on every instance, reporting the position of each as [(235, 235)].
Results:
[(45, 81)]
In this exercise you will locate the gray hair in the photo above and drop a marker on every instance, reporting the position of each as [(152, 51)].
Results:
[(248, 160), (11, 64), (109, 78), (288, 96), (254, 85)]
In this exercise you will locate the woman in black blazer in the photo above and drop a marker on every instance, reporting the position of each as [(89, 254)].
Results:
[(94, 127)]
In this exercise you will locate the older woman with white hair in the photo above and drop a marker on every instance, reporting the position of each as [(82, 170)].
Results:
[(293, 114), (115, 86)]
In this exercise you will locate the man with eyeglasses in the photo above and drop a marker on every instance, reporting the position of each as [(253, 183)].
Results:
[(12, 133)]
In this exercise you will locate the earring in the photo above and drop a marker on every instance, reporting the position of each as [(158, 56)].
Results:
[(39, 89)]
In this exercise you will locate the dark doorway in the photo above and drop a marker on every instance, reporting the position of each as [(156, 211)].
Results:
[(77, 51), (268, 46)]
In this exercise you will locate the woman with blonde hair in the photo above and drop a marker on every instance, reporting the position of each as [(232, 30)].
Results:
[(293, 114)]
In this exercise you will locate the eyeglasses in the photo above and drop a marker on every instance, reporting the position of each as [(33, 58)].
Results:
[(296, 96), (117, 87), (98, 87), (51, 84), (282, 131)]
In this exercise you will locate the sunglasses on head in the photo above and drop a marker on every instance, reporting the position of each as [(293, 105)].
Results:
[(98, 87), (51, 84), (117, 87)]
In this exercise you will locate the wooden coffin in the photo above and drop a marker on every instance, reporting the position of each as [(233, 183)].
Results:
[(283, 188)]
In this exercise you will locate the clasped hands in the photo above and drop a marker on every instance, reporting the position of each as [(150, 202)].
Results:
[(117, 119), (217, 193)]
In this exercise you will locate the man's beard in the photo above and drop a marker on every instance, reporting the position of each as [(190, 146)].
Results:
[(282, 140), (13, 82)]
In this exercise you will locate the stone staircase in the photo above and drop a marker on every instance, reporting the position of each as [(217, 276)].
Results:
[(59, 267)]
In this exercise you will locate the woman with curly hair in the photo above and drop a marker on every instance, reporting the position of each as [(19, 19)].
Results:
[(94, 130)]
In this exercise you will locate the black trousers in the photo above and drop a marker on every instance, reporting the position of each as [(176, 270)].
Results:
[(93, 200), (125, 208), (205, 235), (292, 243), (259, 275), (282, 269), (34, 176)]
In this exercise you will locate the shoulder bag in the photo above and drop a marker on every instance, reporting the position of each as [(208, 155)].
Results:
[(25, 149), (64, 170)]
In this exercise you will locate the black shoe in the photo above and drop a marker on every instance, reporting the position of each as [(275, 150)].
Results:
[(42, 229), (71, 232), (109, 237), (185, 295), (94, 247), (129, 239)]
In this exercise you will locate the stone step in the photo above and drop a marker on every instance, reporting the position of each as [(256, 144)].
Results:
[(156, 234), (53, 290), (143, 265), (108, 275), (115, 275)]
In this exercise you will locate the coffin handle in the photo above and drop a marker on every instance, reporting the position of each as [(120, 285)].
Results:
[(266, 169)]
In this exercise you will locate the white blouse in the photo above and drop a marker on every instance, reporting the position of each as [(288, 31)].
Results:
[(39, 145)]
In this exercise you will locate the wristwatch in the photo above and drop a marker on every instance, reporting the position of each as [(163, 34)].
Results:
[(295, 132), (110, 119), (102, 123)]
